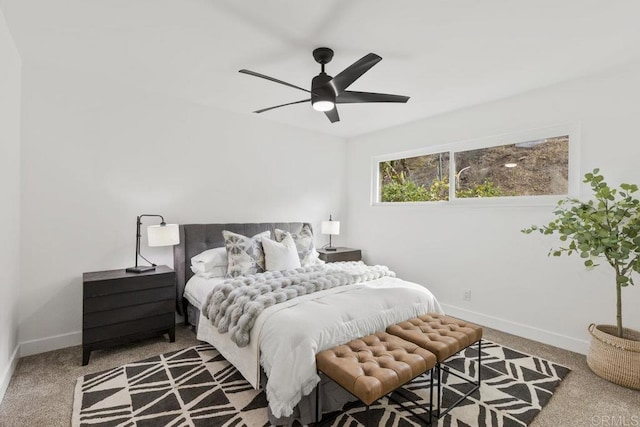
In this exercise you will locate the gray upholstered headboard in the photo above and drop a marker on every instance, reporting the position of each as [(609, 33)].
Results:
[(196, 238)]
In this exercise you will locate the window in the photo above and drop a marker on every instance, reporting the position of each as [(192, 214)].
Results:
[(415, 179), (531, 168), (526, 166)]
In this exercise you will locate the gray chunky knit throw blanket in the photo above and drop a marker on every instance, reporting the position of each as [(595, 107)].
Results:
[(234, 305)]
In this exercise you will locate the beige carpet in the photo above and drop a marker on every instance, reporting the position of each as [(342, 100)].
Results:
[(41, 391)]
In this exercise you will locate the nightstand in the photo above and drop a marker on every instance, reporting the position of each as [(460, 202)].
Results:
[(119, 307), (340, 254)]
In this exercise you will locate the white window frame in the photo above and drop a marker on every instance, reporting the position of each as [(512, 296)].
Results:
[(573, 181)]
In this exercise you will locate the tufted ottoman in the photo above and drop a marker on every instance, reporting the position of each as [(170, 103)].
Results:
[(371, 367), (444, 336)]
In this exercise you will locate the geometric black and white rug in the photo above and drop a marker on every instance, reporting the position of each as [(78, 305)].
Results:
[(198, 387)]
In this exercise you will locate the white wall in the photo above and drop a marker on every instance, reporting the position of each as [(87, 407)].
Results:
[(515, 286), (96, 154), (10, 202)]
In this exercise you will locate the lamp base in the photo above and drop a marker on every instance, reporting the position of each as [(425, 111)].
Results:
[(140, 269), (330, 249)]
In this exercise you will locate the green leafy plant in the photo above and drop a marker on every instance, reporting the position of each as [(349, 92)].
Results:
[(605, 228), (485, 189), (405, 191), (401, 189), (439, 189)]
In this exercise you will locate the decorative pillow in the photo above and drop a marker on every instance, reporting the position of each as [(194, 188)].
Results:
[(282, 255), (244, 254), (208, 274), (209, 259), (304, 244)]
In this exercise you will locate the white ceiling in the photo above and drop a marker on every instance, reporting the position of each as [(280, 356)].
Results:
[(444, 54)]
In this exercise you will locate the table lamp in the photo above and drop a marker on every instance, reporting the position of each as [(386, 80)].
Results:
[(332, 228), (158, 235)]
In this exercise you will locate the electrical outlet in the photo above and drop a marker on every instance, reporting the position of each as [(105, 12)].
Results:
[(467, 295)]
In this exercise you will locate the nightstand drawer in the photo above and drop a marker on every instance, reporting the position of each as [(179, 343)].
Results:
[(140, 311), (127, 284), (126, 299), (119, 330)]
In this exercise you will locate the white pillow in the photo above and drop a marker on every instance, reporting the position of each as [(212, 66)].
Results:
[(304, 243), (280, 255), (209, 259), (208, 274)]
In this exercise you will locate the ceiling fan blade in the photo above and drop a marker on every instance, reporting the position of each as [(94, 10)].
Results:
[(282, 105), (350, 97), (332, 115), (262, 76), (353, 72)]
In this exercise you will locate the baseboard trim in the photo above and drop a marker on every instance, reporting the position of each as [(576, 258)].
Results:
[(5, 379), (56, 342), (525, 331)]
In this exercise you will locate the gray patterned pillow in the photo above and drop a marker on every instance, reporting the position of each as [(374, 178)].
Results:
[(304, 244), (245, 254)]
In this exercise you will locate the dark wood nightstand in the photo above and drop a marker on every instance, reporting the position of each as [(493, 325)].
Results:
[(340, 254), (119, 307)]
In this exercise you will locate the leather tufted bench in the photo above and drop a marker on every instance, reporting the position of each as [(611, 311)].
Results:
[(444, 336), (371, 367)]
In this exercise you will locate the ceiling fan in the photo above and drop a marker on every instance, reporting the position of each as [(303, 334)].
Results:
[(327, 91)]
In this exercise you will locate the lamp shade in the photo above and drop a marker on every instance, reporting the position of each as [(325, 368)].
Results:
[(330, 227), (163, 235)]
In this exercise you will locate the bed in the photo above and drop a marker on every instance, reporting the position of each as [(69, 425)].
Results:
[(280, 355)]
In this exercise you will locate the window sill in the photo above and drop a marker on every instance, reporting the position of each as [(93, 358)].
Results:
[(478, 202)]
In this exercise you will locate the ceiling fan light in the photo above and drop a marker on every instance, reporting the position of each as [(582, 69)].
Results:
[(322, 105)]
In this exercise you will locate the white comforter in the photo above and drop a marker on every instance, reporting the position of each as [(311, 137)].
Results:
[(290, 334)]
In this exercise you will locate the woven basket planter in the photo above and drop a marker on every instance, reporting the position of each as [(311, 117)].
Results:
[(615, 359)]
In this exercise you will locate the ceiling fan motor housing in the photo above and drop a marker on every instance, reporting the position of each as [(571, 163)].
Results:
[(321, 91)]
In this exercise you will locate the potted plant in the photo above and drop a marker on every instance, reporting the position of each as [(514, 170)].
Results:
[(607, 228)]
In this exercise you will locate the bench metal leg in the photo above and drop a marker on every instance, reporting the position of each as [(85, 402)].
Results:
[(437, 413), (367, 416), (431, 397), (318, 411), (439, 368), (420, 416)]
